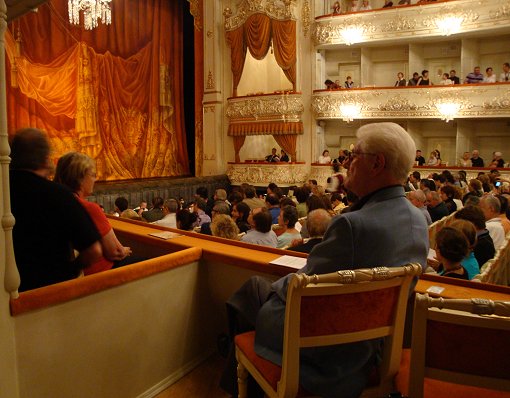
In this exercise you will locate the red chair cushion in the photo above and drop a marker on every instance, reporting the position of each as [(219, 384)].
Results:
[(441, 389)]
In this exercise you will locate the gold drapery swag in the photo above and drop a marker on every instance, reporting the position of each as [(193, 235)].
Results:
[(256, 35), (114, 93)]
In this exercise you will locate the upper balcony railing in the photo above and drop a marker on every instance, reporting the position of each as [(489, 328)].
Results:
[(403, 23), (444, 102)]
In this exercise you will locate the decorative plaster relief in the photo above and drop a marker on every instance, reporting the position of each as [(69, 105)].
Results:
[(281, 107), (261, 174), (275, 9), (305, 17)]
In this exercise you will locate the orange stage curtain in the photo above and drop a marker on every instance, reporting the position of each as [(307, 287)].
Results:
[(288, 143), (114, 93), (256, 34), (238, 144)]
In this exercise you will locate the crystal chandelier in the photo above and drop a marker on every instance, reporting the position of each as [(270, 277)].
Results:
[(93, 11)]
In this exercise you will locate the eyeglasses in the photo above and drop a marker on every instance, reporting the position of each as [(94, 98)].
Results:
[(354, 154)]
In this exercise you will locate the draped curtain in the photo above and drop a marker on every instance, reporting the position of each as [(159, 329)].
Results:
[(114, 93), (238, 144), (256, 35), (288, 144)]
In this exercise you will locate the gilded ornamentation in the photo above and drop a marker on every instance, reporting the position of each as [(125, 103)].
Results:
[(194, 9), (210, 81), (277, 107), (305, 17), (329, 33), (263, 174), (448, 12), (502, 102), (397, 104), (501, 12), (210, 34), (328, 106), (399, 24), (275, 9)]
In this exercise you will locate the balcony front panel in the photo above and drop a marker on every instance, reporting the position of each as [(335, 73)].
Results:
[(471, 101), (413, 22)]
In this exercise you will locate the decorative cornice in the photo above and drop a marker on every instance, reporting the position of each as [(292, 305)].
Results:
[(288, 107), (501, 102), (398, 104), (261, 174), (275, 9)]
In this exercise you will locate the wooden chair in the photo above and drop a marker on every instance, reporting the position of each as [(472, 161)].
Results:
[(458, 350), (355, 305)]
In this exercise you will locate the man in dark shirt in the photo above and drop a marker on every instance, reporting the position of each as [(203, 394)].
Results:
[(436, 207), (273, 157), (50, 222), (414, 80), (455, 79), (476, 160), (419, 158), (317, 224)]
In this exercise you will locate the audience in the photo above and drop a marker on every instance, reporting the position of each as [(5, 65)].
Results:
[(121, 204), (451, 247), (273, 206), (273, 157), (505, 76), (470, 263), (317, 223), (420, 160), (240, 214), (44, 239), (476, 160), (260, 221), (156, 211), (325, 158), (185, 220), (448, 193), (220, 207), (77, 171), (491, 206), (141, 208), (223, 226), (251, 199), (199, 207), (287, 221), (491, 77), (424, 79), (436, 206), (170, 207), (400, 80), (474, 77), (418, 199), (455, 79), (503, 200)]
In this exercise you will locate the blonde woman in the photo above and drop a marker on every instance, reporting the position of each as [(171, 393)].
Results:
[(224, 226), (77, 171)]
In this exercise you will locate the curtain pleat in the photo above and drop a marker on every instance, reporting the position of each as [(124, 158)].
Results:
[(257, 29), (235, 39), (238, 144), (284, 44), (289, 143)]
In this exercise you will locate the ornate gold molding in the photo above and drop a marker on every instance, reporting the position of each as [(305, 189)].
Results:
[(275, 9), (194, 8), (305, 17), (499, 103), (398, 104), (210, 81), (288, 107), (262, 174)]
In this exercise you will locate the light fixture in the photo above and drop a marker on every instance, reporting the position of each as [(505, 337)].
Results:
[(350, 111), (449, 24), (448, 110), (93, 11), (352, 34)]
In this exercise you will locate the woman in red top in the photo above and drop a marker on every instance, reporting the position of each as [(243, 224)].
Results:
[(77, 171)]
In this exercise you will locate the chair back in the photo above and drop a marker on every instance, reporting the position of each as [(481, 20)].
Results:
[(345, 307), (497, 269), (436, 226), (459, 342)]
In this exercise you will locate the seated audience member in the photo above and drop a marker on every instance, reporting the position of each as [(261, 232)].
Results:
[(414, 180), (284, 157), (185, 220), (436, 206), (272, 188), (424, 79), (327, 204), (141, 208), (476, 160), (156, 212), (445, 80), (317, 223), (77, 171), (343, 154), (287, 222), (427, 183), (498, 161), (484, 248), (348, 82), (418, 199), (490, 76), (376, 173), (439, 180), (273, 206), (401, 82), (414, 80), (337, 203), (502, 213), (325, 158), (419, 159), (287, 202), (455, 79), (465, 160), (199, 207), (240, 213), (474, 77), (130, 214), (354, 6), (485, 180), (448, 193), (260, 232), (170, 207), (336, 7), (273, 158), (365, 5), (121, 204), (302, 194), (491, 207), (44, 240), (331, 85), (223, 226), (387, 3), (203, 193), (474, 189), (218, 208), (235, 197), (251, 199), (470, 263), (433, 160), (451, 247), (505, 76)]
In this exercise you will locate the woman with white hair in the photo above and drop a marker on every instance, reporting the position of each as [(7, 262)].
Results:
[(497, 161), (77, 171)]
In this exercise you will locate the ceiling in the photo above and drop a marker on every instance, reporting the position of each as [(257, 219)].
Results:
[(17, 8)]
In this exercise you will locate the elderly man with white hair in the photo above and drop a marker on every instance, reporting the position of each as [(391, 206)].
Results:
[(491, 207), (382, 229), (418, 199)]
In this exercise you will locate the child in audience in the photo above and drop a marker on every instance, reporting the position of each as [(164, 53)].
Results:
[(451, 248)]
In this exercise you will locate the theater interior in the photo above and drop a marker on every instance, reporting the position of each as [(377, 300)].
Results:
[(178, 94)]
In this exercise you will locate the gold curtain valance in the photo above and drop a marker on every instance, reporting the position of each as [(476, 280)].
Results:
[(265, 128)]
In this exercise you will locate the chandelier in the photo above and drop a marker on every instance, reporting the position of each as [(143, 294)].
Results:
[(352, 34), (448, 25), (350, 111), (93, 11), (448, 110)]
